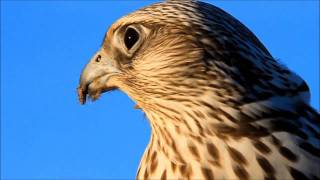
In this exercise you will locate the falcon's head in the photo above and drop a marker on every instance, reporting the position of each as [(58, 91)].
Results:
[(183, 53), (203, 78)]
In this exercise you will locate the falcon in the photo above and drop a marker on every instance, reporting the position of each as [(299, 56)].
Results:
[(219, 105)]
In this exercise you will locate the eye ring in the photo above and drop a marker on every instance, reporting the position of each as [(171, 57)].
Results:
[(131, 37), (98, 58)]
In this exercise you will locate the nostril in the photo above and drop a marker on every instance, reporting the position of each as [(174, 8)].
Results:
[(98, 58)]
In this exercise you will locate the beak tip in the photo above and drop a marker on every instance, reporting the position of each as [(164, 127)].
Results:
[(81, 95)]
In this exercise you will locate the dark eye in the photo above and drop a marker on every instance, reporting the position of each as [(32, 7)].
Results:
[(98, 58), (130, 38)]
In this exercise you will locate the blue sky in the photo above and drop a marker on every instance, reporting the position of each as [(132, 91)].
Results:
[(45, 133)]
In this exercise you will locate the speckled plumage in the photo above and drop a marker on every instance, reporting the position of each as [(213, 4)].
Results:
[(219, 105)]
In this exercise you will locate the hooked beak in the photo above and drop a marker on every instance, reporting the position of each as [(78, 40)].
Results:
[(96, 77)]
